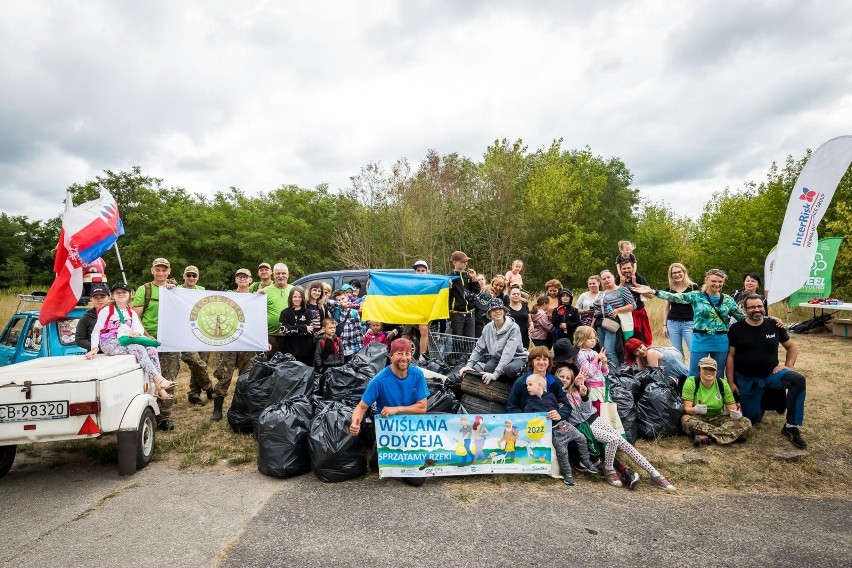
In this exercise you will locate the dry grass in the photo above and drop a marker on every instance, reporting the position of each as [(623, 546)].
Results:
[(754, 467)]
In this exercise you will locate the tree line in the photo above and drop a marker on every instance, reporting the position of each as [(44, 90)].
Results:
[(560, 210)]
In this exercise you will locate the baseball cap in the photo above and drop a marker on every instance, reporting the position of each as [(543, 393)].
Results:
[(346, 287), (120, 286), (708, 363), (420, 262), (245, 271), (401, 344), (161, 262), (459, 255), (99, 288), (265, 265), (192, 269)]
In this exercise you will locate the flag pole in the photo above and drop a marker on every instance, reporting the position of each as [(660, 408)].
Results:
[(120, 264)]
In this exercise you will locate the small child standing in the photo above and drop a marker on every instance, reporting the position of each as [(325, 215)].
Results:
[(329, 352), (625, 255), (562, 433), (591, 363), (565, 318), (377, 334), (351, 335), (540, 325)]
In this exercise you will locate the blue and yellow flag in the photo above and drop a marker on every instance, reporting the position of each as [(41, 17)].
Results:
[(401, 298)]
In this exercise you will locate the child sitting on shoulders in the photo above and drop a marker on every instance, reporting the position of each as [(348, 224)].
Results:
[(625, 256)]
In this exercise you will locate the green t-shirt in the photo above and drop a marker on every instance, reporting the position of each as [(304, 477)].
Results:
[(277, 300), (151, 316), (196, 287), (709, 396)]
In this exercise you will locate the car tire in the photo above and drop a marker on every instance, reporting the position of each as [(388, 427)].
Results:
[(494, 392), (145, 437), (476, 405), (7, 458)]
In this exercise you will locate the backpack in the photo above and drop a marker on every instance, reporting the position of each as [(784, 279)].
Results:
[(698, 381)]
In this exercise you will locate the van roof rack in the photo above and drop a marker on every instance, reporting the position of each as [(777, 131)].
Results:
[(35, 300)]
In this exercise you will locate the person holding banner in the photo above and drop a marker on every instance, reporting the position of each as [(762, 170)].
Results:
[(399, 388)]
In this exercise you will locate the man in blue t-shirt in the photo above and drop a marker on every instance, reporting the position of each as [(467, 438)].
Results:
[(397, 389)]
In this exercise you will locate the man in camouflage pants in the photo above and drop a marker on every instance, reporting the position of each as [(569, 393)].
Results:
[(199, 378), (146, 303), (230, 360)]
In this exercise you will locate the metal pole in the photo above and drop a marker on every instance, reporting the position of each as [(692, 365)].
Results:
[(120, 265)]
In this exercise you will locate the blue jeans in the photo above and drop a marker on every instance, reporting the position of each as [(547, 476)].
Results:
[(721, 357), (680, 334), (608, 340), (751, 391)]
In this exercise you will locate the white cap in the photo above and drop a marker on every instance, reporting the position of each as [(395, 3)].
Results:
[(422, 263)]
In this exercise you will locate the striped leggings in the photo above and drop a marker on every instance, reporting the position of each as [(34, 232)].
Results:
[(604, 433)]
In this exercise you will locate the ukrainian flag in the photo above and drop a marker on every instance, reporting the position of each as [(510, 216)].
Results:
[(401, 298)]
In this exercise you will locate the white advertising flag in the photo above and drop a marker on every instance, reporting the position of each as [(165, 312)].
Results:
[(205, 320), (811, 196)]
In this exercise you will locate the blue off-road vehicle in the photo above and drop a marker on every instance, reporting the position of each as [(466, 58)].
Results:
[(24, 338)]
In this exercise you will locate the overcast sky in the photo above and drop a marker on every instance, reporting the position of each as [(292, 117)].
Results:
[(692, 96)]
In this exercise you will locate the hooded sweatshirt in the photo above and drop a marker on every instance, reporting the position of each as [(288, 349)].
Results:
[(504, 343)]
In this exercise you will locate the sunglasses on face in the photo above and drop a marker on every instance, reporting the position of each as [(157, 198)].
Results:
[(191, 275)]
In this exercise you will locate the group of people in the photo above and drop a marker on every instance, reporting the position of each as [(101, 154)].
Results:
[(522, 340)]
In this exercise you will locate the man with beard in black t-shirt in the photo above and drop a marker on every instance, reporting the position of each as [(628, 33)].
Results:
[(753, 366)]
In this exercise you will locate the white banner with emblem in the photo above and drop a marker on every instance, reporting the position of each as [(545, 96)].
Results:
[(205, 320)]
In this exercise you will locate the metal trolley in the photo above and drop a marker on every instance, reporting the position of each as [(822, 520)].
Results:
[(450, 349)]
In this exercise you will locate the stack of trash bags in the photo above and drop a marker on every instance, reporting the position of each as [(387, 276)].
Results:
[(649, 403), (301, 418)]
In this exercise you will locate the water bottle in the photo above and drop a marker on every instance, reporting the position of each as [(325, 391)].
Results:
[(608, 309)]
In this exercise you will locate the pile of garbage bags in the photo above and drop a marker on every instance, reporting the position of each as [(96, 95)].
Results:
[(301, 418), (649, 403)]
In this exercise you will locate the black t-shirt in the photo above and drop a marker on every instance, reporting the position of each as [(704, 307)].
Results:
[(522, 318), (681, 312), (640, 281), (756, 347)]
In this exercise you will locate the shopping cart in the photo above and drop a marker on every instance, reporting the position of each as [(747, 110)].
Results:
[(450, 349)]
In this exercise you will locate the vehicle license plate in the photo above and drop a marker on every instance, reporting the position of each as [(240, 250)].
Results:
[(27, 411)]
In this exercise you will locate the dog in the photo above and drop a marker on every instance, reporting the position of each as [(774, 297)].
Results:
[(498, 458)]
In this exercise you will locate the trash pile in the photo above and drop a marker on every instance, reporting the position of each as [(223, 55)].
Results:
[(649, 403)]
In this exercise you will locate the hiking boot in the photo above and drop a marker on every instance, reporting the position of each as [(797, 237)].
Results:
[(630, 478), (587, 467), (612, 478), (792, 432), (702, 440), (195, 399), (664, 483), (166, 425), (568, 480)]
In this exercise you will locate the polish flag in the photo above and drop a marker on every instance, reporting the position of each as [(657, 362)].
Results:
[(88, 231)]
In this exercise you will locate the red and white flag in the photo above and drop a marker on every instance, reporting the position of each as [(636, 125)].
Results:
[(88, 231)]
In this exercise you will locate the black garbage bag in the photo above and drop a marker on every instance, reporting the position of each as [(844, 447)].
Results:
[(436, 365), (454, 377), (659, 410), (290, 379), (335, 455), (443, 400), (435, 384), (282, 438), (249, 398), (650, 375), (370, 360), (626, 404), (344, 382), (627, 381)]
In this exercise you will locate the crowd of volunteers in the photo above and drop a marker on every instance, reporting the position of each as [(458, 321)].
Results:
[(555, 353)]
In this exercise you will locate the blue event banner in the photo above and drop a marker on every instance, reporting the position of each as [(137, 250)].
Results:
[(420, 445)]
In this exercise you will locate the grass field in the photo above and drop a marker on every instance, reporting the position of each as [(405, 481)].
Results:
[(762, 465)]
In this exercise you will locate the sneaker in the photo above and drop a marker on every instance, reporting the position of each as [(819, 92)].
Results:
[(166, 425), (612, 478), (630, 478), (568, 480), (664, 483), (792, 432), (702, 440), (587, 467)]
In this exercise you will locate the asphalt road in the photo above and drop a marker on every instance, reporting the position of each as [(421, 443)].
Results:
[(83, 515)]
